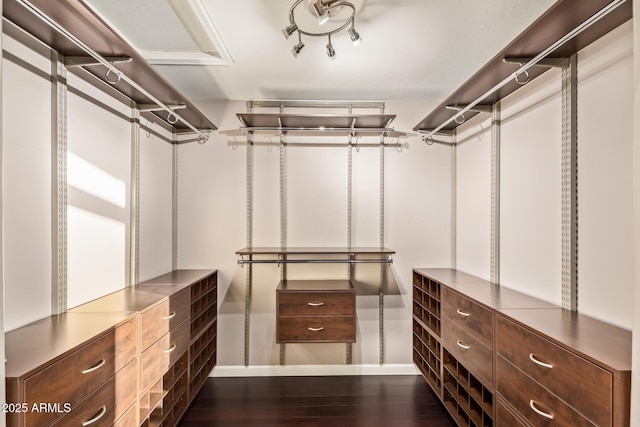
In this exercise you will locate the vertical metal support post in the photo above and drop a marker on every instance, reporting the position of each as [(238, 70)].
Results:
[(248, 277), (383, 266), (59, 183), (3, 397), (350, 266), (174, 196), (134, 230), (495, 193), (570, 185), (283, 218), (454, 200)]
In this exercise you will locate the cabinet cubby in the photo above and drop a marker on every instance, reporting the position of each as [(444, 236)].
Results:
[(466, 398), (426, 302)]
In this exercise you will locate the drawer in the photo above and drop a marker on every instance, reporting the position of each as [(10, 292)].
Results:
[(106, 404), (469, 315), (506, 418), (165, 316), (469, 350), (316, 329), (581, 384), (532, 401), (303, 303), (128, 419), (163, 353), (82, 372)]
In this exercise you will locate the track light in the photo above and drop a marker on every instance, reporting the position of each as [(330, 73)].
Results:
[(297, 49), (355, 37), (324, 10), (331, 53), (291, 28)]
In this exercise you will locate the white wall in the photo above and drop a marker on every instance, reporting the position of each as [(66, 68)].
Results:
[(212, 226), (99, 178), (530, 196), (26, 140), (156, 204), (605, 178)]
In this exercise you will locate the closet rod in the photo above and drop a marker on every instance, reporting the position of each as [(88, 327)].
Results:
[(524, 67), (320, 129), (110, 67), (315, 261)]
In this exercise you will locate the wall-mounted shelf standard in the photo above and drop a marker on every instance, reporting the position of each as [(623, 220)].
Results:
[(576, 23), (74, 31)]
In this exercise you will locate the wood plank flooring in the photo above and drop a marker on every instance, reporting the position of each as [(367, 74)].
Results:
[(372, 401)]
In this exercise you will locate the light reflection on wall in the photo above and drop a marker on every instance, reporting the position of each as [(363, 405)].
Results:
[(95, 181)]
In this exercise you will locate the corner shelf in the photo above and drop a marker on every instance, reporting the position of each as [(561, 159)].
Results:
[(559, 20), (79, 20)]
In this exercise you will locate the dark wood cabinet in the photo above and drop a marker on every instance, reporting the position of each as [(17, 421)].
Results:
[(136, 357), (512, 360), (316, 311)]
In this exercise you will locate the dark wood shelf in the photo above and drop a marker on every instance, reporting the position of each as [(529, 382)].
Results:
[(79, 20), (555, 23), (313, 124)]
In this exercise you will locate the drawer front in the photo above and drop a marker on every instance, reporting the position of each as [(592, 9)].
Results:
[(469, 315), (316, 329), (128, 419), (292, 303), (164, 317), (107, 403), (532, 401), (163, 353), (505, 418), (82, 372), (581, 384), (470, 351)]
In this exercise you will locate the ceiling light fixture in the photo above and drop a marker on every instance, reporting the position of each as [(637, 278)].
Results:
[(323, 10)]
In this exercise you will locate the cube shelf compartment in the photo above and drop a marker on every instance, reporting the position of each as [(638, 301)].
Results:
[(426, 355), (466, 398), (426, 302)]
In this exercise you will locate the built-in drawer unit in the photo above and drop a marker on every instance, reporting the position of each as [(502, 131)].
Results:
[(469, 315), (512, 360), (133, 358), (160, 319), (316, 311), (60, 360), (576, 365)]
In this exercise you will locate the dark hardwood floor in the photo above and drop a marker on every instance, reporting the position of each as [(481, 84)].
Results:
[(317, 401)]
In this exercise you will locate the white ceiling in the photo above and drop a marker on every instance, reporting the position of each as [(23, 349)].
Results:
[(418, 50)]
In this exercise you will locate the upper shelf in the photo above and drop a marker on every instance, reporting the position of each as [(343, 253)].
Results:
[(354, 124), (555, 23), (84, 24)]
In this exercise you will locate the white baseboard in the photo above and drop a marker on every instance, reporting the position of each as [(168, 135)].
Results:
[(312, 370)]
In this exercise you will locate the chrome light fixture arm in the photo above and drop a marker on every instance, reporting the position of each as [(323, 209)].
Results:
[(328, 6)]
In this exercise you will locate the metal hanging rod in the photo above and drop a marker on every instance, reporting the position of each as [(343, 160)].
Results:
[(530, 63), (315, 261), (110, 67), (317, 104), (322, 129)]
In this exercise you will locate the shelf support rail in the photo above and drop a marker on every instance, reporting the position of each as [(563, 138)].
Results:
[(532, 62), (282, 260), (202, 137)]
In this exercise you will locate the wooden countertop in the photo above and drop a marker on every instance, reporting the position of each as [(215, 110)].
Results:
[(597, 341), (46, 341)]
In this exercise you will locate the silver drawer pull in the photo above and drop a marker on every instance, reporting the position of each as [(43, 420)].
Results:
[(99, 415), (461, 345), (170, 349), (532, 405), (170, 316), (95, 368), (462, 313), (316, 329), (532, 357), (315, 304)]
